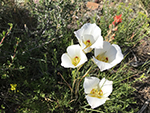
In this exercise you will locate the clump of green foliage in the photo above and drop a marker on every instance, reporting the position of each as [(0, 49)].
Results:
[(30, 56), (146, 4)]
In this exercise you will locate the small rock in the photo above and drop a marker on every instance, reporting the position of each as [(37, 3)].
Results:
[(36, 1), (92, 5)]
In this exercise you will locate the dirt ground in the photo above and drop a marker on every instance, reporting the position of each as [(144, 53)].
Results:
[(143, 87)]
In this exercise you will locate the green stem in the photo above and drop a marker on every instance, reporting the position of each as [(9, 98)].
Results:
[(6, 34), (123, 79), (75, 77), (65, 82), (79, 82)]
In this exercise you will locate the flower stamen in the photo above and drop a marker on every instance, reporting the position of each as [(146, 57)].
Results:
[(88, 43), (96, 93), (75, 60), (102, 58)]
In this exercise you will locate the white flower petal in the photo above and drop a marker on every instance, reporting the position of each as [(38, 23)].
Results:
[(106, 87), (119, 55), (111, 54), (82, 44), (74, 50), (88, 37), (102, 65), (66, 61), (79, 33), (98, 43), (83, 58), (85, 38), (88, 27), (95, 102), (96, 31), (106, 46), (90, 83)]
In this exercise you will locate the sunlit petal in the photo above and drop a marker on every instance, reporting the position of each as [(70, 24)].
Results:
[(106, 47), (83, 58), (79, 33), (102, 65), (90, 83), (96, 31), (66, 61), (98, 43), (95, 102), (119, 55), (111, 53), (88, 28), (89, 37), (74, 50), (106, 87)]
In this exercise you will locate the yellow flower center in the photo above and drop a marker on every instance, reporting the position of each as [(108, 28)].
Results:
[(75, 60), (102, 58), (96, 93), (87, 43)]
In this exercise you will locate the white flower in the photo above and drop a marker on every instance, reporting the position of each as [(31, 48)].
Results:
[(89, 37), (97, 91), (107, 57), (74, 57)]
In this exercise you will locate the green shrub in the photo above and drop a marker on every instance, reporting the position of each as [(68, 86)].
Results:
[(31, 57)]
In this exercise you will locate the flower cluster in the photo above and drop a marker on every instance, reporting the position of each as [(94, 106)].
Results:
[(106, 56), (89, 36)]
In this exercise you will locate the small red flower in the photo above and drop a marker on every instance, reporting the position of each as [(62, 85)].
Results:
[(117, 19)]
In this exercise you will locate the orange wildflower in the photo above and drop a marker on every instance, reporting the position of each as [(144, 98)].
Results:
[(117, 19)]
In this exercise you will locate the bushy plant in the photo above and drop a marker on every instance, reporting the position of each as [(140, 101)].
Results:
[(32, 79)]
